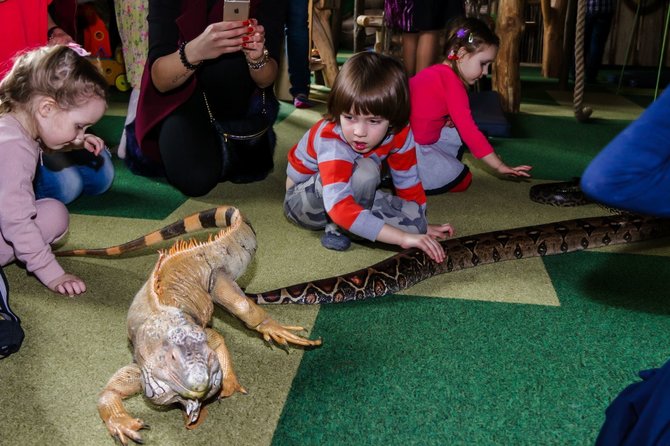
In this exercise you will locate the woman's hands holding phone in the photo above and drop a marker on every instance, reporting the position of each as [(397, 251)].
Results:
[(227, 37)]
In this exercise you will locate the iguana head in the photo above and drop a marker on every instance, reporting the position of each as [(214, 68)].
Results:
[(177, 364)]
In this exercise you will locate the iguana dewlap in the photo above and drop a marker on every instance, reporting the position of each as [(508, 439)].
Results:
[(177, 357)]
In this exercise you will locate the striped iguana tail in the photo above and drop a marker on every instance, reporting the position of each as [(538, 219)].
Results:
[(219, 217)]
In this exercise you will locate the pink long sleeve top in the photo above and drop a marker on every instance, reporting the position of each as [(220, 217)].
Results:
[(19, 154), (437, 93)]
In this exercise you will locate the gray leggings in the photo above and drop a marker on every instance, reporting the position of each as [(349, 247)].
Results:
[(303, 203), (440, 163)]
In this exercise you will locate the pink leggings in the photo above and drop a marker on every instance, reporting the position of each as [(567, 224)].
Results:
[(52, 218)]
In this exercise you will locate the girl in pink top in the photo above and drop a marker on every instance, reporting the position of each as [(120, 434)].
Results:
[(47, 101), (441, 119)]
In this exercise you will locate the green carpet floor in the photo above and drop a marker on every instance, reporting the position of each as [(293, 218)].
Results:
[(527, 352)]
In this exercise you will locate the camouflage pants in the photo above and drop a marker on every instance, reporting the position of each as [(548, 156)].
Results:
[(303, 203)]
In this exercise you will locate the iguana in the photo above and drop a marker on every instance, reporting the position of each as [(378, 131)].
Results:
[(177, 357)]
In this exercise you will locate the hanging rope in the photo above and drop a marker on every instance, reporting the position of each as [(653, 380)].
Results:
[(582, 113)]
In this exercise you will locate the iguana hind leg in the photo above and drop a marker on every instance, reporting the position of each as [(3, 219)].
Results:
[(230, 384), (125, 383)]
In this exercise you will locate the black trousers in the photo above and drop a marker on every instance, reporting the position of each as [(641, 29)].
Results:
[(190, 148)]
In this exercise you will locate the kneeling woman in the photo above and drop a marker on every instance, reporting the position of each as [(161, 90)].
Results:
[(200, 66)]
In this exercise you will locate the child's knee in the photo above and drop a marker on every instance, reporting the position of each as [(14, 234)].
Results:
[(52, 218), (365, 179), (69, 188), (300, 212)]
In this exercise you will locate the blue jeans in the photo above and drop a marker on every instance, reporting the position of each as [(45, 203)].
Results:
[(297, 46), (66, 175)]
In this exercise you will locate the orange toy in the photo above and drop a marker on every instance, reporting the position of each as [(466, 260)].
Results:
[(95, 33)]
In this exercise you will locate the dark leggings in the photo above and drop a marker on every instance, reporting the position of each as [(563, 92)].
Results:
[(190, 149)]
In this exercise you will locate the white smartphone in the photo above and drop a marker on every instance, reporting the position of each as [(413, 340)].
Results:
[(235, 10)]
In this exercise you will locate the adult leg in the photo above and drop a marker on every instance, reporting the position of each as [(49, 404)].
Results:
[(410, 42), (130, 117), (600, 25), (633, 171), (427, 49), (297, 47), (190, 149)]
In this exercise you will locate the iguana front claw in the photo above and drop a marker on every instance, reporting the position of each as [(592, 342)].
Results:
[(124, 427), (283, 334)]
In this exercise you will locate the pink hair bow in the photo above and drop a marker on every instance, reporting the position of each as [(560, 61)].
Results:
[(78, 49)]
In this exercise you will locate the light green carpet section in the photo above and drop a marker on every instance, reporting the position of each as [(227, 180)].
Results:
[(426, 353)]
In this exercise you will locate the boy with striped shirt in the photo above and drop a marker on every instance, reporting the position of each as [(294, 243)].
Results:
[(334, 171)]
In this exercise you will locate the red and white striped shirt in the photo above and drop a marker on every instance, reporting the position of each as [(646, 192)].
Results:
[(324, 150)]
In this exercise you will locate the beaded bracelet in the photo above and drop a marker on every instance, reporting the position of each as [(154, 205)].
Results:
[(259, 63), (184, 60)]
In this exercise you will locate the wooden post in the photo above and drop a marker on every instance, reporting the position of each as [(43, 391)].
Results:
[(506, 78), (359, 31), (323, 40), (553, 19)]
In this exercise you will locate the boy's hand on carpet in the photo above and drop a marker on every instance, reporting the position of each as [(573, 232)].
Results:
[(68, 285)]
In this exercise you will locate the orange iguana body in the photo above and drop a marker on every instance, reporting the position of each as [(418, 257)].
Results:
[(177, 357)]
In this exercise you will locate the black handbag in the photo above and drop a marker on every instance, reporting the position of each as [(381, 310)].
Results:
[(247, 144), (11, 333)]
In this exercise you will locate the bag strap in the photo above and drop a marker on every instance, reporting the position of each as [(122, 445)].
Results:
[(211, 115), (209, 110)]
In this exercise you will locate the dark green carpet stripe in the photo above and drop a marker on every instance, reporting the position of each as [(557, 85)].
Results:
[(557, 147), (131, 196), (109, 128), (412, 370)]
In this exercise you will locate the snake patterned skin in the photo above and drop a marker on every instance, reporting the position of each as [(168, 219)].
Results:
[(412, 266), (563, 194)]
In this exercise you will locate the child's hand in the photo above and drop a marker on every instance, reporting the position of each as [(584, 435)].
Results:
[(518, 171), (93, 144), (425, 243), (440, 232), (67, 284)]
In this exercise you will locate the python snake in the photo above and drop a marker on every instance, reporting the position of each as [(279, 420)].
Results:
[(563, 194), (412, 266)]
